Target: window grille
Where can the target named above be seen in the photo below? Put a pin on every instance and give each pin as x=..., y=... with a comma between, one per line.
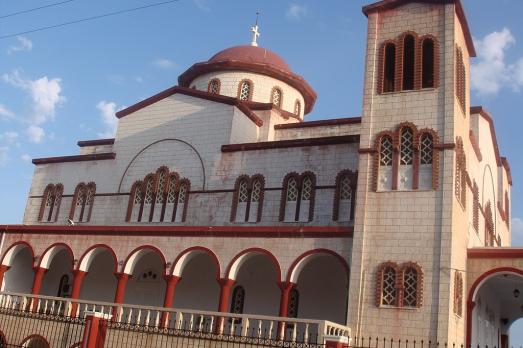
x=243, y=192
x=182, y=194
x=410, y=287
x=426, y=149
x=306, y=192
x=138, y=195
x=81, y=196
x=276, y=97
x=345, y=189
x=245, y=90
x=149, y=191
x=294, y=300
x=214, y=86
x=458, y=294
x=256, y=191
x=297, y=108
x=161, y=186
x=238, y=300
x=171, y=194
x=406, y=152
x=292, y=190
x=386, y=152
x=388, y=292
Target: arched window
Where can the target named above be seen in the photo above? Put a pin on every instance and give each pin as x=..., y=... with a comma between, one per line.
x=245, y=90
x=297, y=202
x=428, y=63
x=409, y=44
x=426, y=160
x=50, y=205
x=294, y=302
x=389, y=68
x=238, y=300
x=410, y=287
x=214, y=86
x=242, y=199
x=82, y=202
x=389, y=294
x=406, y=159
x=171, y=198
x=256, y=199
x=135, y=202
x=385, y=153
x=180, y=209
x=148, y=199
x=64, y=287
x=297, y=107
x=160, y=193
x=344, y=201
x=461, y=80
x=276, y=97
x=458, y=294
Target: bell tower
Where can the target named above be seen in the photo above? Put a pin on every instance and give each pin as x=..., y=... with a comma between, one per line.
x=415, y=107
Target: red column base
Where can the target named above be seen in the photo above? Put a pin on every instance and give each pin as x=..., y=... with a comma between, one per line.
x=95, y=330
x=336, y=342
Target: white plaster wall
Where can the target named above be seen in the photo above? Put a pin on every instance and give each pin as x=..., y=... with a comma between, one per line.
x=262, y=87
x=147, y=293
x=198, y=289
x=19, y=278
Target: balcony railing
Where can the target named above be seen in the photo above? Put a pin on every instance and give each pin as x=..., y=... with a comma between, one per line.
x=174, y=320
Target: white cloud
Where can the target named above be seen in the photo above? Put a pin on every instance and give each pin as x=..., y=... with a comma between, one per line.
x=163, y=63
x=5, y=112
x=24, y=44
x=9, y=137
x=492, y=72
x=4, y=155
x=25, y=157
x=107, y=112
x=297, y=12
x=36, y=134
x=44, y=92
x=517, y=231
x=203, y=4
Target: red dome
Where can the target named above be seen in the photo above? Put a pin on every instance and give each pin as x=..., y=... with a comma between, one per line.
x=251, y=54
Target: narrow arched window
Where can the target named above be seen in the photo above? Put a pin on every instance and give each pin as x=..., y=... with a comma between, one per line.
x=385, y=164
x=389, y=68
x=214, y=86
x=159, y=194
x=294, y=303
x=64, y=287
x=388, y=287
x=245, y=90
x=291, y=199
x=182, y=201
x=458, y=294
x=475, y=206
x=344, y=196
x=243, y=199
x=408, y=62
x=50, y=206
x=490, y=233
x=305, y=206
x=428, y=62
x=148, y=199
x=82, y=202
x=426, y=159
x=461, y=80
x=410, y=287
x=460, y=189
x=135, y=202
x=297, y=107
x=238, y=300
x=276, y=97
x=405, y=174
x=170, y=201
x=256, y=201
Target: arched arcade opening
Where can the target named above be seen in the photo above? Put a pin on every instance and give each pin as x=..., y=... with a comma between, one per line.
x=20, y=274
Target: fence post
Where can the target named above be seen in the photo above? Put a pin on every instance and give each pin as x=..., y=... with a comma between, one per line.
x=336, y=341
x=95, y=329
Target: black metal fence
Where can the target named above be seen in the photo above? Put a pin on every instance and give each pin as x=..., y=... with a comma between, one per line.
x=369, y=342
x=39, y=330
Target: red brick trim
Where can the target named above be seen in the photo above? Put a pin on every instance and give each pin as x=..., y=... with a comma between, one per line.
x=320, y=251
x=283, y=144
x=265, y=252
x=381, y=66
x=277, y=88
x=353, y=176
x=293, y=80
x=320, y=123
x=475, y=145
x=97, y=142
x=186, y=231
x=242, y=106
x=495, y=253
x=75, y=158
x=251, y=89
x=391, y=4
x=506, y=165
x=214, y=80
x=143, y=247
x=379, y=280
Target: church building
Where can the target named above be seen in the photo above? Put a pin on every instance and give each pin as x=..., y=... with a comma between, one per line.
x=219, y=206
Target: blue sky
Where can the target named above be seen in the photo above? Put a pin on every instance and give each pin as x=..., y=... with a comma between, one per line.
x=60, y=86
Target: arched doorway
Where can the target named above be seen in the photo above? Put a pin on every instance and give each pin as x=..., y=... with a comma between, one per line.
x=322, y=283
x=495, y=302
x=147, y=285
x=35, y=341
x=257, y=274
x=19, y=278
x=99, y=284
x=198, y=287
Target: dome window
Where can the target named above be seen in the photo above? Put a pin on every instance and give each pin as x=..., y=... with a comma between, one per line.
x=297, y=107
x=245, y=90
x=214, y=86
x=276, y=97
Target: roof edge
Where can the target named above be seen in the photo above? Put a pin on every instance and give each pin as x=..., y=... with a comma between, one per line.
x=95, y=142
